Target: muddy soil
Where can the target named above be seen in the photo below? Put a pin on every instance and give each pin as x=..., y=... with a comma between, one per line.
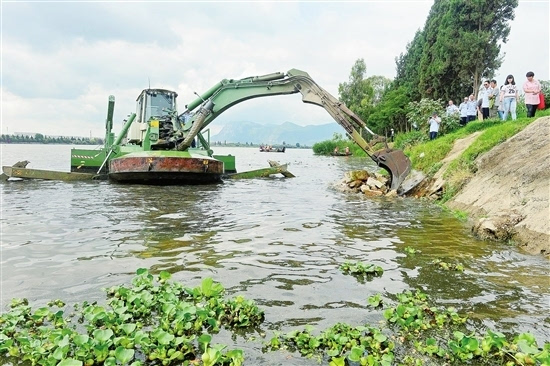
x=507, y=198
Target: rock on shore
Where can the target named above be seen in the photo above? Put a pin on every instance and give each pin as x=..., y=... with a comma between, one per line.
x=368, y=183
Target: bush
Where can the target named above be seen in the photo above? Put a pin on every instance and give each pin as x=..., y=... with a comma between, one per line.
x=418, y=113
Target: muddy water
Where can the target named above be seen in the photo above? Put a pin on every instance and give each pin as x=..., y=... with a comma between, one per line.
x=277, y=241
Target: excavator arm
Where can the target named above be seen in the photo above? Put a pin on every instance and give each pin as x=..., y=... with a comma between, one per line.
x=227, y=93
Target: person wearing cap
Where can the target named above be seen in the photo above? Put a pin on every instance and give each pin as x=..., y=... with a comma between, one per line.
x=463, y=108
x=434, y=122
x=472, y=108
x=532, y=88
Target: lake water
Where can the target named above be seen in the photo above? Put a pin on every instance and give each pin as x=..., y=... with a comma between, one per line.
x=277, y=241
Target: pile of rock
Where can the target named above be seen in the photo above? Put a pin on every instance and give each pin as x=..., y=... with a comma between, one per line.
x=370, y=184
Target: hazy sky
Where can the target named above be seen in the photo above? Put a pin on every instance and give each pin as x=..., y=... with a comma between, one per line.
x=61, y=60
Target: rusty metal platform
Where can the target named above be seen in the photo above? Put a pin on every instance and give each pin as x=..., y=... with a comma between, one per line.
x=165, y=167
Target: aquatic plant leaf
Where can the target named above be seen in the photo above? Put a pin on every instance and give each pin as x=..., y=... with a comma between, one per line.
x=356, y=353
x=103, y=335
x=211, y=356
x=124, y=355
x=379, y=337
x=70, y=362
x=471, y=344
x=209, y=288
x=42, y=312
x=164, y=337
x=110, y=361
x=164, y=275
x=128, y=328
x=80, y=339
x=338, y=361
x=528, y=338
x=525, y=347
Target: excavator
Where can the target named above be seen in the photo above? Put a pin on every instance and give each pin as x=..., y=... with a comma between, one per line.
x=158, y=145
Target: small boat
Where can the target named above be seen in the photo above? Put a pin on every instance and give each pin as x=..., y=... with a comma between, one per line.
x=272, y=149
x=340, y=153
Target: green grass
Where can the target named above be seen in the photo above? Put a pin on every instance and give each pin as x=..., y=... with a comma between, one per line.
x=427, y=157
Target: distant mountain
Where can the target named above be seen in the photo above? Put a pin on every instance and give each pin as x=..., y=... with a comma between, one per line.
x=288, y=132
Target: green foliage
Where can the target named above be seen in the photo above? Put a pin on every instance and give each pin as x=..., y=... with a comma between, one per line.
x=363, y=344
x=361, y=269
x=375, y=300
x=411, y=251
x=423, y=334
x=361, y=94
x=154, y=320
x=448, y=266
x=357, y=94
x=327, y=147
x=157, y=322
x=459, y=45
x=420, y=112
x=390, y=112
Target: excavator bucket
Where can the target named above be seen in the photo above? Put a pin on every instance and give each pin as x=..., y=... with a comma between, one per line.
x=394, y=162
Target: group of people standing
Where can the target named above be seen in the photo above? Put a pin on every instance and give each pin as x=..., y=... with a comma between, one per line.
x=493, y=101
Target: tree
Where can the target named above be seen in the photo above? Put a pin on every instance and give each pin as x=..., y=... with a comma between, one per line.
x=480, y=26
x=379, y=85
x=459, y=45
x=407, y=65
x=391, y=112
x=357, y=94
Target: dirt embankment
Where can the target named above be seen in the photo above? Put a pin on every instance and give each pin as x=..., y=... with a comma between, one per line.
x=508, y=197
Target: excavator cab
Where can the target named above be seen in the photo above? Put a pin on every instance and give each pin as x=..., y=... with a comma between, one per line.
x=153, y=103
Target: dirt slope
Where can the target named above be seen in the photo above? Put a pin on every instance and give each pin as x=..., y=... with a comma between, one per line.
x=508, y=197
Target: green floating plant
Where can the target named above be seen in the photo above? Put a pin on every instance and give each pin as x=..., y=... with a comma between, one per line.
x=375, y=300
x=153, y=321
x=361, y=269
x=361, y=344
x=411, y=251
x=448, y=266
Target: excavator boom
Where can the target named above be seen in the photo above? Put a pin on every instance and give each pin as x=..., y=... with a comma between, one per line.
x=227, y=93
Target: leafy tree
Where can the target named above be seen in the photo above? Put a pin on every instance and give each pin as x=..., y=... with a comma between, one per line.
x=391, y=112
x=380, y=85
x=459, y=45
x=407, y=65
x=357, y=94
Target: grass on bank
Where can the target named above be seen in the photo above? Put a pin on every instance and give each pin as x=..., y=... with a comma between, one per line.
x=427, y=157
